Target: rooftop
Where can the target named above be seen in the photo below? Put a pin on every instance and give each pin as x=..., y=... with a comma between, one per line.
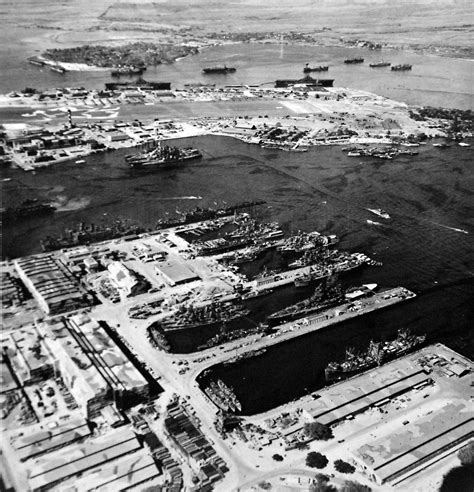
x=393, y=453
x=176, y=272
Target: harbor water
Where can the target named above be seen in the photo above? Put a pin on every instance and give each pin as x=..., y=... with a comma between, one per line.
x=427, y=245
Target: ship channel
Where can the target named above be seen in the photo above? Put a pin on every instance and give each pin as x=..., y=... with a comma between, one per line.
x=321, y=190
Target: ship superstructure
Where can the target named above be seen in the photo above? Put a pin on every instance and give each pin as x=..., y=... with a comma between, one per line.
x=376, y=354
x=162, y=155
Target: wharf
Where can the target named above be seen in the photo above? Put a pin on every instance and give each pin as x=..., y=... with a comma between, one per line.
x=309, y=324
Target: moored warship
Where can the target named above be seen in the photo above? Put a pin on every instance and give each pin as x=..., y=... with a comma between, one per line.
x=199, y=214
x=28, y=208
x=223, y=396
x=377, y=354
x=329, y=293
x=87, y=234
x=196, y=317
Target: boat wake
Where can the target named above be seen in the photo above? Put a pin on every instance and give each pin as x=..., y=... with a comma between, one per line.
x=64, y=205
x=455, y=229
x=373, y=222
x=180, y=198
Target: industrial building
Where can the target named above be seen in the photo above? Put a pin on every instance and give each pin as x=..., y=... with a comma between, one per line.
x=40, y=441
x=176, y=273
x=28, y=356
x=93, y=367
x=51, y=284
x=127, y=281
x=404, y=451
x=78, y=462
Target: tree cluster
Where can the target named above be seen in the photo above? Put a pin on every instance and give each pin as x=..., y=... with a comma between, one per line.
x=316, y=460
x=316, y=430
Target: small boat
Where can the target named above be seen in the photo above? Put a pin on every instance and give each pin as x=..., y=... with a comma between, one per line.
x=464, y=144
x=354, y=154
x=37, y=62
x=357, y=292
x=57, y=68
x=80, y=161
x=441, y=145
x=379, y=212
x=302, y=281
x=372, y=222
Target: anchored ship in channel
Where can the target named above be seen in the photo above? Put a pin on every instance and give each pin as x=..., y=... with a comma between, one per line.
x=352, y=61
x=401, y=68
x=379, y=64
x=161, y=156
x=127, y=70
x=320, y=68
x=218, y=70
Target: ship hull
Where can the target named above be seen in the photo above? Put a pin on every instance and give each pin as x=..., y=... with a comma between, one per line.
x=154, y=163
x=315, y=69
x=339, y=373
x=298, y=314
x=218, y=71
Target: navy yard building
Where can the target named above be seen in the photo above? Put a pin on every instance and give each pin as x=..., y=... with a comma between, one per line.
x=52, y=285
x=93, y=366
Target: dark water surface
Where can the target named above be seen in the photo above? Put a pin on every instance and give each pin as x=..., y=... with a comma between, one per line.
x=429, y=196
